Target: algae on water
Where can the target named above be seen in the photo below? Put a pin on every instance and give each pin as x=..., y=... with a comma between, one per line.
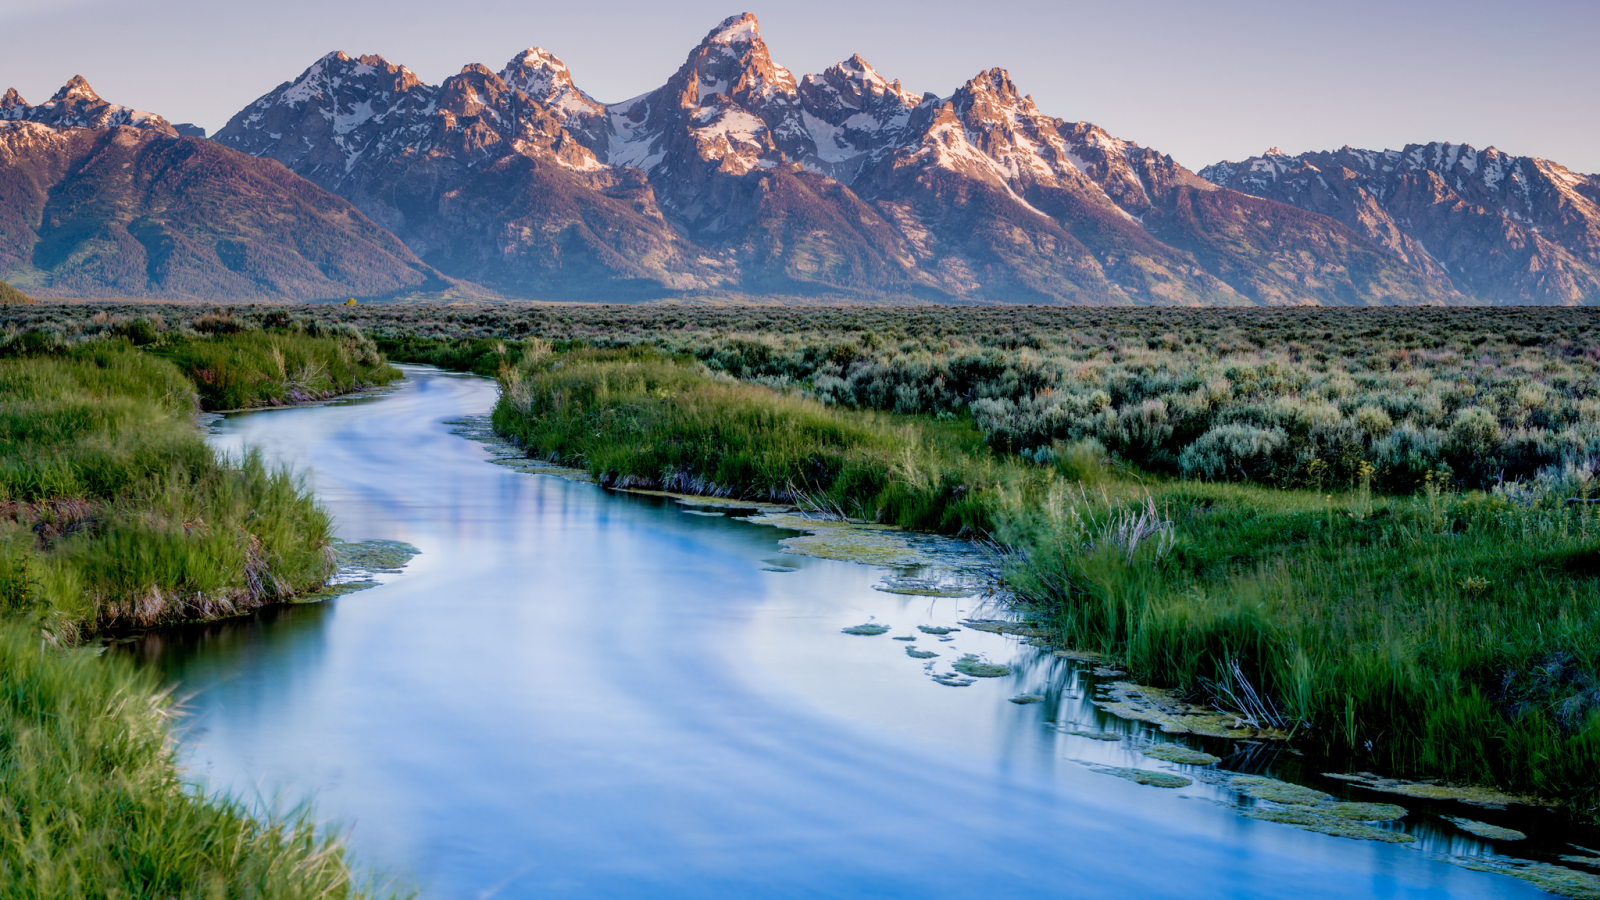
x=1312, y=820
x=1146, y=776
x=923, y=587
x=973, y=666
x=1177, y=753
x=1364, y=812
x=372, y=557
x=1555, y=879
x=1174, y=716
x=1025, y=699
x=1485, y=830
x=914, y=653
x=1426, y=790
x=1277, y=791
x=870, y=628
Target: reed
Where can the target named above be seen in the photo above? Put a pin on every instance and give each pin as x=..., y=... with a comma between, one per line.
x=1447, y=633
x=114, y=513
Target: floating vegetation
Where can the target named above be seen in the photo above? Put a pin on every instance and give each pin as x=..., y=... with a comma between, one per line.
x=1146, y=776
x=1000, y=626
x=870, y=628
x=333, y=590
x=951, y=679
x=505, y=453
x=923, y=587
x=1338, y=826
x=1177, y=753
x=1025, y=699
x=935, y=629
x=905, y=637
x=1485, y=830
x=1427, y=790
x=1083, y=656
x=1547, y=877
x=779, y=569
x=877, y=545
x=1105, y=672
x=914, y=653
x=702, y=512
x=1364, y=812
x=973, y=666
x=1097, y=735
x=1277, y=791
x=1593, y=861
x=1173, y=716
x=372, y=557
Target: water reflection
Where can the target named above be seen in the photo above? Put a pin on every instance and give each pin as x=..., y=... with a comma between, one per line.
x=570, y=693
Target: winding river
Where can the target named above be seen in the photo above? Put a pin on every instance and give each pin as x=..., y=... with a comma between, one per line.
x=571, y=692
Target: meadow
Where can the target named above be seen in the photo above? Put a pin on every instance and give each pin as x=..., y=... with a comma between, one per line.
x=1370, y=527
x=116, y=515
x=1296, y=397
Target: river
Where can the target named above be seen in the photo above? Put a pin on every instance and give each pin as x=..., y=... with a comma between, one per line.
x=572, y=692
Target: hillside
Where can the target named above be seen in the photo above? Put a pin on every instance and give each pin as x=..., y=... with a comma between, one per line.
x=100, y=201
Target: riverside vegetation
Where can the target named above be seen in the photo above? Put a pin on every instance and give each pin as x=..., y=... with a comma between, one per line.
x=114, y=513
x=1368, y=527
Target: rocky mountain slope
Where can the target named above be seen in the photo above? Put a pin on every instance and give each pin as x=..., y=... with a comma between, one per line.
x=100, y=200
x=1494, y=227
x=736, y=175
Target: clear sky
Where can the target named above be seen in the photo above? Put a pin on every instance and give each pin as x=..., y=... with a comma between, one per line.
x=1201, y=81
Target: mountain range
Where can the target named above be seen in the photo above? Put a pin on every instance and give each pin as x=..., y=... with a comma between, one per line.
x=100, y=200
x=737, y=177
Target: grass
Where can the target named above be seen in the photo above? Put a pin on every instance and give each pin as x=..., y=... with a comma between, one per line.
x=91, y=805
x=114, y=513
x=638, y=418
x=1449, y=633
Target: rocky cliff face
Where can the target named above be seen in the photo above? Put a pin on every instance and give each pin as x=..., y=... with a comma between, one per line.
x=1494, y=227
x=99, y=200
x=481, y=175
x=736, y=175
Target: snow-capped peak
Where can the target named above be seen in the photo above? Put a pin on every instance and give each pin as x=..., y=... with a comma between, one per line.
x=76, y=89
x=740, y=29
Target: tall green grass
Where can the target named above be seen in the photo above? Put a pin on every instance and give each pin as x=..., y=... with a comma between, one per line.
x=638, y=418
x=267, y=368
x=114, y=513
x=91, y=805
x=1445, y=634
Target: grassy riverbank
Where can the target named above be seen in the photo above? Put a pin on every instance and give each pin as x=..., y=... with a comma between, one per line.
x=114, y=513
x=1449, y=634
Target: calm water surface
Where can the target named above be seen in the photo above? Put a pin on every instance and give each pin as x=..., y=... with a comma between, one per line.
x=573, y=693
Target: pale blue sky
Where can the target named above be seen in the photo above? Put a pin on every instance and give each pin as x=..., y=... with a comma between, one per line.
x=1201, y=81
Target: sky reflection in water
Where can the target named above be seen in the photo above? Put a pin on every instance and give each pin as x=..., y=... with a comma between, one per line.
x=575, y=694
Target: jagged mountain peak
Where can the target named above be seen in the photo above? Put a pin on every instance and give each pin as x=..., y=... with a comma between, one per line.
x=860, y=83
x=996, y=81
x=1492, y=225
x=546, y=80
x=76, y=88
x=733, y=61
x=740, y=29
x=76, y=105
